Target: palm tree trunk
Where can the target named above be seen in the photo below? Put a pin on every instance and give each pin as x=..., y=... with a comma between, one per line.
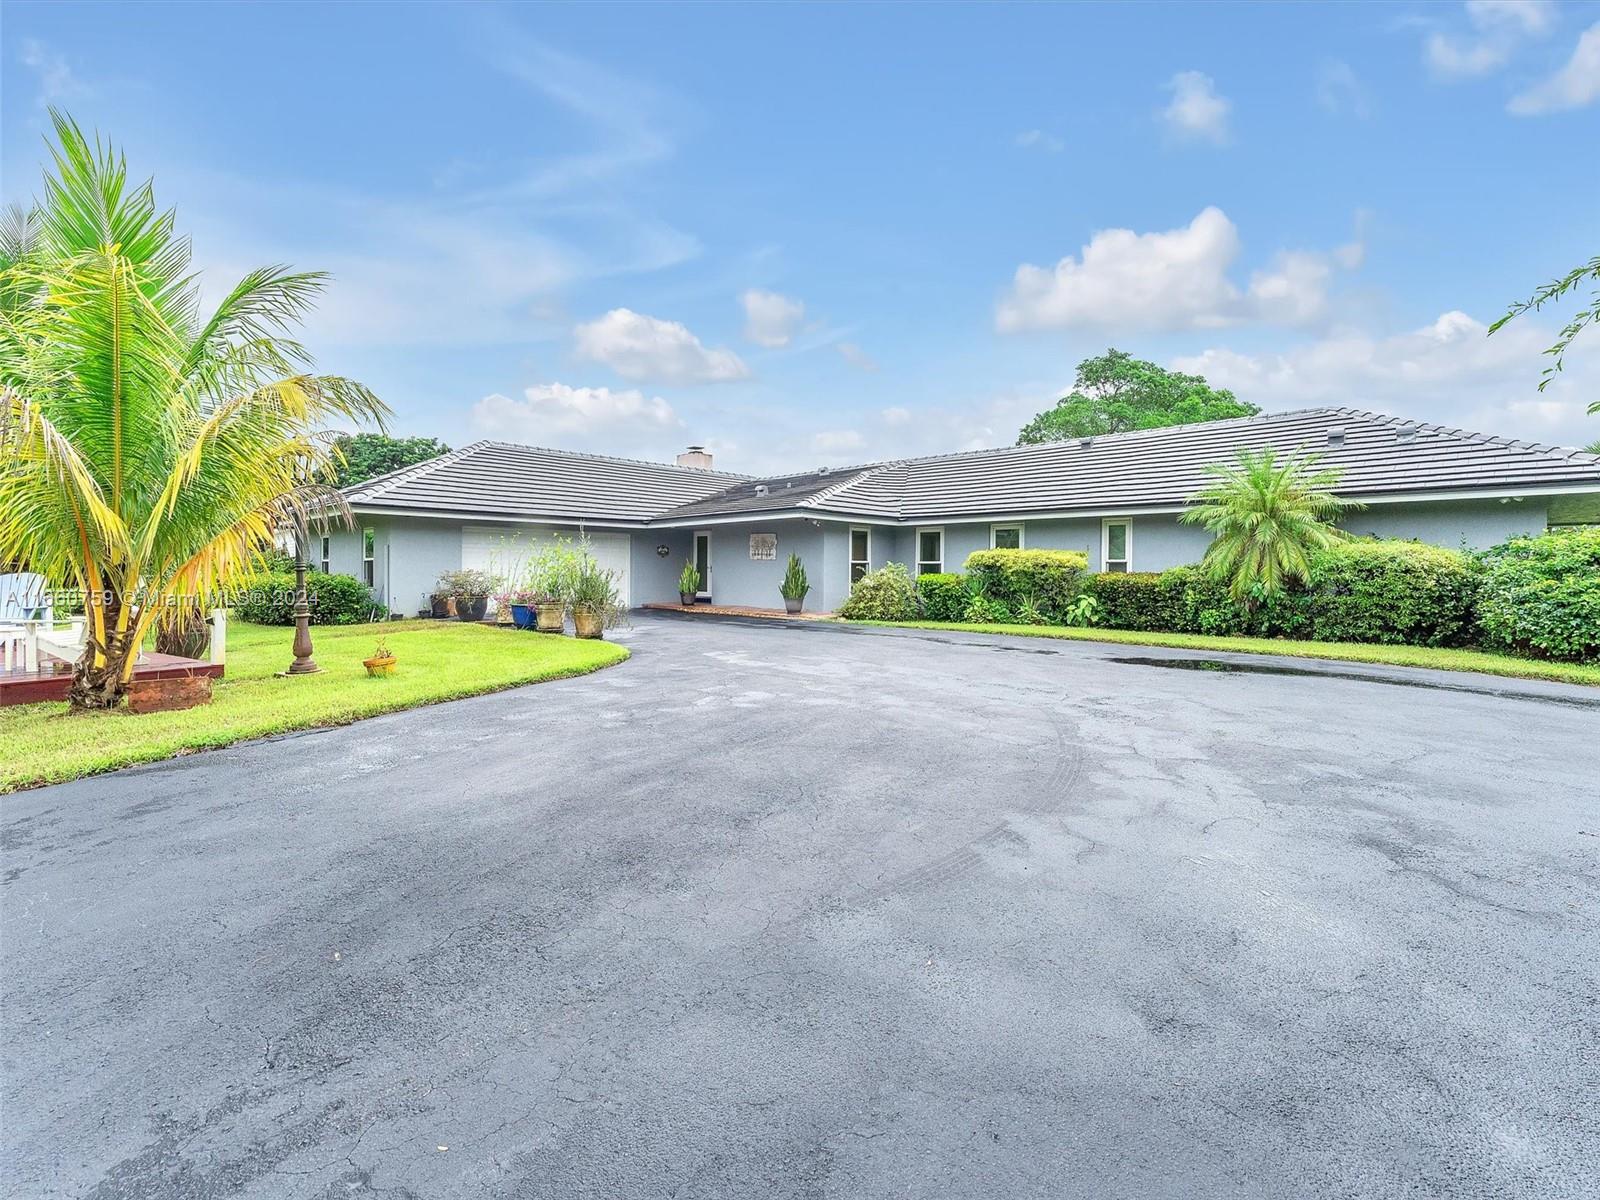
x=100, y=677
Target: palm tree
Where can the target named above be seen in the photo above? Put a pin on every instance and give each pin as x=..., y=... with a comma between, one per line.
x=147, y=453
x=1267, y=518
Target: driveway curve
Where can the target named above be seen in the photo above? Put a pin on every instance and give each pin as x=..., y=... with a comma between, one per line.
x=804, y=911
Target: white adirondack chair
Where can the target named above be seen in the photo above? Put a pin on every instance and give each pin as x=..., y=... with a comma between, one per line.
x=49, y=639
x=24, y=597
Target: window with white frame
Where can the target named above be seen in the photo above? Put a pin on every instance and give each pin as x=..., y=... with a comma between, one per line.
x=1005, y=537
x=327, y=558
x=1116, y=545
x=930, y=551
x=369, y=542
x=860, y=553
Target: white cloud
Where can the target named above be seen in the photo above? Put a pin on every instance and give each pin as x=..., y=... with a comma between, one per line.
x=1196, y=112
x=855, y=356
x=1449, y=371
x=1498, y=28
x=1340, y=90
x=581, y=418
x=56, y=79
x=896, y=415
x=1038, y=139
x=770, y=318
x=1176, y=279
x=1575, y=85
x=837, y=441
x=647, y=348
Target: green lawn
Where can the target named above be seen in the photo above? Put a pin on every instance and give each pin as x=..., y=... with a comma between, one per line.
x=1400, y=656
x=437, y=661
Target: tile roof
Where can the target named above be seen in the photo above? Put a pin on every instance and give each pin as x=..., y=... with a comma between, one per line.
x=1162, y=468
x=1143, y=469
x=499, y=479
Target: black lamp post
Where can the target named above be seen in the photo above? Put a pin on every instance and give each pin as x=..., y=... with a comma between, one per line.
x=303, y=663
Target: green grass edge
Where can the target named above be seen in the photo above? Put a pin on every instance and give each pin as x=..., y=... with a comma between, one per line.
x=142, y=756
x=1482, y=662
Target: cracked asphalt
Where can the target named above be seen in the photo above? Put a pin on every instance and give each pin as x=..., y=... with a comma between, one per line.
x=799, y=911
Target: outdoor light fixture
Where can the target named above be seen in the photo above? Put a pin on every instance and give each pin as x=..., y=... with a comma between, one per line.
x=663, y=550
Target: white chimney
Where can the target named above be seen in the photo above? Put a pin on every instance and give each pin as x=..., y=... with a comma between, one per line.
x=697, y=457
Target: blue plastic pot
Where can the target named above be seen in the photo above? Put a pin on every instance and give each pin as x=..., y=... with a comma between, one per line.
x=522, y=616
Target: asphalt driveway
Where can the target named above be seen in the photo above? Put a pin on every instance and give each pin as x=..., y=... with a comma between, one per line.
x=807, y=912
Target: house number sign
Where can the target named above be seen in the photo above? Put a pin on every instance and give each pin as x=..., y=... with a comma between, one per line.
x=763, y=546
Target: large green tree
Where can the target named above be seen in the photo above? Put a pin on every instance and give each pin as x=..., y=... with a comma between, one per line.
x=1267, y=515
x=1115, y=392
x=148, y=451
x=365, y=456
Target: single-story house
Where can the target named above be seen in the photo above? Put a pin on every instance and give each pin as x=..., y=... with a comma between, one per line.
x=1115, y=497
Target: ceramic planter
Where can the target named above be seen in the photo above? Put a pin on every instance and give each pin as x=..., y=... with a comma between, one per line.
x=472, y=608
x=792, y=606
x=686, y=599
x=551, y=617
x=522, y=616
x=442, y=606
x=588, y=623
x=380, y=666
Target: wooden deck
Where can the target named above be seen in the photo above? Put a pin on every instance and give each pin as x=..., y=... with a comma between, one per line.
x=53, y=681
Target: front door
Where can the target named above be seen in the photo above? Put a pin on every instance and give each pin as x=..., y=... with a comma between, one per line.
x=702, y=563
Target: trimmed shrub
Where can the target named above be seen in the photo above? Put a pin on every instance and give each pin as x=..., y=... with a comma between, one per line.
x=1541, y=595
x=886, y=594
x=1142, y=600
x=333, y=599
x=1206, y=605
x=1390, y=591
x=1048, y=579
x=944, y=597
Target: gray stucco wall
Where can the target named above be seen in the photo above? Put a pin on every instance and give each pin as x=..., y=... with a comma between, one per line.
x=736, y=578
x=1161, y=541
x=412, y=552
x=1474, y=524
x=409, y=555
x=654, y=579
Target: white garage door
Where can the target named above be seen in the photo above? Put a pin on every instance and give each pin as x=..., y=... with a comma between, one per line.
x=504, y=551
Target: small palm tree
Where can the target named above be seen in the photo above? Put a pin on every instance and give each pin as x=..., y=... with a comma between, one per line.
x=148, y=453
x=1267, y=518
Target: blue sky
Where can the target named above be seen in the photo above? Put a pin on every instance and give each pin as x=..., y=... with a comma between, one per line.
x=809, y=234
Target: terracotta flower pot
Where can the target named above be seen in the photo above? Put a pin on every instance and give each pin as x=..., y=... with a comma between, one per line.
x=551, y=617
x=588, y=623
x=380, y=666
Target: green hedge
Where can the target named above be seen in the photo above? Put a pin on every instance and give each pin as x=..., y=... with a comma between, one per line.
x=1046, y=581
x=1390, y=591
x=944, y=597
x=1143, y=600
x=887, y=594
x=333, y=599
x=1541, y=595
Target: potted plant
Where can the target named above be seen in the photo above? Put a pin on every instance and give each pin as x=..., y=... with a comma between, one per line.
x=521, y=606
x=382, y=661
x=550, y=575
x=502, y=608
x=470, y=589
x=688, y=584
x=442, y=604
x=593, y=598
x=795, y=585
